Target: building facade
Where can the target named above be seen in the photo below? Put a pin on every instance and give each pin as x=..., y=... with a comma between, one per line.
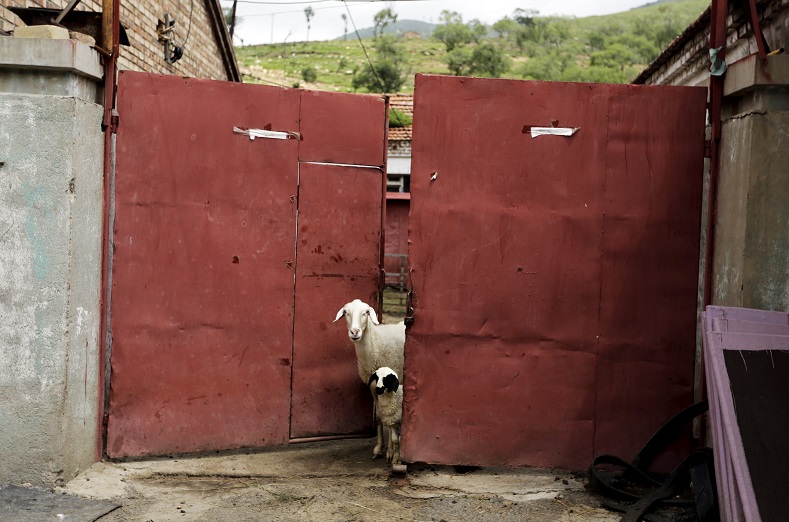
x=199, y=29
x=398, y=196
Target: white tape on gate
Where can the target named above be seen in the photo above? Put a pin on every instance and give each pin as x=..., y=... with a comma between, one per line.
x=553, y=131
x=263, y=133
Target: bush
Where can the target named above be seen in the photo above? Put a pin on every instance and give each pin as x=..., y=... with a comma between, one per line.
x=387, y=76
x=309, y=74
x=489, y=60
x=398, y=118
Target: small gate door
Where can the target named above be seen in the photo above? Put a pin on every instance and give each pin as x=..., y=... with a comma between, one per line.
x=203, y=274
x=338, y=254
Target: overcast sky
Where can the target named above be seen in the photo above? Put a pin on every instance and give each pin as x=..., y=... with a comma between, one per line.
x=267, y=21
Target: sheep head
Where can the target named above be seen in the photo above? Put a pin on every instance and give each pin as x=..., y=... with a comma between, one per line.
x=384, y=379
x=357, y=313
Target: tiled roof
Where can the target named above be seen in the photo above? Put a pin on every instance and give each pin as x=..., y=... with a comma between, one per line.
x=405, y=104
x=400, y=133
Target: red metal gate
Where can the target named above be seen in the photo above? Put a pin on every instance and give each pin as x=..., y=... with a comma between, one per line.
x=205, y=246
x=555, y=276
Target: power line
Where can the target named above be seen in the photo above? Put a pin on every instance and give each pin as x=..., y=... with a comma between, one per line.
x=189, y=29
x=285, y=12
x=264, y=2
x=296, y=2
x=372, y=68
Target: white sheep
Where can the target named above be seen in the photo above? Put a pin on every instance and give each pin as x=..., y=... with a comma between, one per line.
x=389, y=408
x=377, y=345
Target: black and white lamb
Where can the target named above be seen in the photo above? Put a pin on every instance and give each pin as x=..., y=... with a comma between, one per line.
x=389, y=408
x=377, y=345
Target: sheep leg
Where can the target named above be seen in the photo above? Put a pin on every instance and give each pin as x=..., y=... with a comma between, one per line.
x=389, y=445
x=394, y=443
x=379, y=442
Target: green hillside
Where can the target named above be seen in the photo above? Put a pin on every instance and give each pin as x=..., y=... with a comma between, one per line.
x=611, y=49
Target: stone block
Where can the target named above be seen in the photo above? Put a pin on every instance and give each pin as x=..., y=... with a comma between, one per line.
x=41, y=31
x=81, y=37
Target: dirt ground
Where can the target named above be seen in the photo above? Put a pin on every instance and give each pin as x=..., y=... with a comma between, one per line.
x=330, y=481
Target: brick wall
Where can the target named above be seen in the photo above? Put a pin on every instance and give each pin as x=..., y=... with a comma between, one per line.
x=202, y=57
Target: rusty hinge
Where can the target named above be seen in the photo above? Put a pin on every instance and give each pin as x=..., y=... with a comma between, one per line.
x=114, y=120
x=707, y=148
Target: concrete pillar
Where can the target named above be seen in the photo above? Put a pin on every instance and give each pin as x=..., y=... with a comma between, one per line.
x=751, y=265
x=51, y=149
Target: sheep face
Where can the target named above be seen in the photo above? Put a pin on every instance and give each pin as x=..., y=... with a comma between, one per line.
x=357, y=313
x=384, y=379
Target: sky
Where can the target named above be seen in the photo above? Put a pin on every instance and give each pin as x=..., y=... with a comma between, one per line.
x=275, y=21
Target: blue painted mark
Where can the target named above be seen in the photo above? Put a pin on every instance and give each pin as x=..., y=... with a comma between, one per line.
x=33, y=201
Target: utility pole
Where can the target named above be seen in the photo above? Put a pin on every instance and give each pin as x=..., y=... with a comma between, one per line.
x=233, y=19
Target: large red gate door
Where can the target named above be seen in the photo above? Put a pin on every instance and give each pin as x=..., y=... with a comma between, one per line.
x=554, y=276
x=209, y=270
x=202, y=276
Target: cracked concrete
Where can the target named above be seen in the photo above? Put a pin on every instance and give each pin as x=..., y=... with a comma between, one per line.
x=330, y=481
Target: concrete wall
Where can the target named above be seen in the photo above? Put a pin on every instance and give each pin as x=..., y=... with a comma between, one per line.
x=50, y=257
x=751, y=265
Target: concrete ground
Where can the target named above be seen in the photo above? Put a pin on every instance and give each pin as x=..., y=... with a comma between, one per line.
x=330, y=481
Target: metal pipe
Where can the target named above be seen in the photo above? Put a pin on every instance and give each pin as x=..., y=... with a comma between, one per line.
x=757, y=30
x=718, y=14
x=107, y=25
x=718, y=29
x=111, y=39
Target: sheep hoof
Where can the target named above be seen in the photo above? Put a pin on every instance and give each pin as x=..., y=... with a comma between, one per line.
x=377, y=453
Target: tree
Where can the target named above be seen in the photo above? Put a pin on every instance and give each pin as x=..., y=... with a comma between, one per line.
x=453, y=32
x=667, y=27
x=525, y=17
x=381, y=20
x=552, y=64
x=459, y=60
x=387, y=73
x=386, y=46
x=615, y=56
x=309, y=12
x=643, y=49
x=344, y=21
x=557, y=31
x=386, y=77
x=533, y=33
x=505, y=27
x=448, y=17
x=229, y=19
x=488, y=60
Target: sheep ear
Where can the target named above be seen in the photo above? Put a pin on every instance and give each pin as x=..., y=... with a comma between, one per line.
x=391, y=383
x=372, y=315
x=373, y=378
x=340, y=314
